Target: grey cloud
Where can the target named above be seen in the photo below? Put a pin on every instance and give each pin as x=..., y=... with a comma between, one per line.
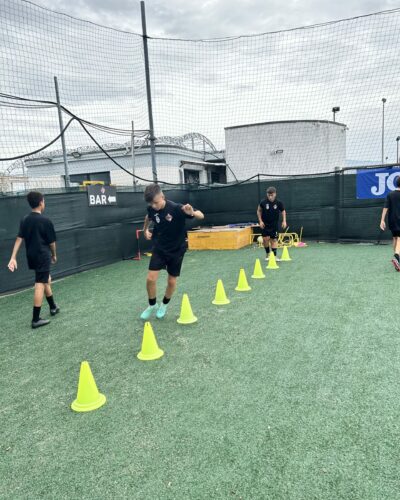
x=206, y=86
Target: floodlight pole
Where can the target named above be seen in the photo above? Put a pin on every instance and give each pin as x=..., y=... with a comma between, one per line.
x=60, y=120
x=148, y=90
x=383, y=130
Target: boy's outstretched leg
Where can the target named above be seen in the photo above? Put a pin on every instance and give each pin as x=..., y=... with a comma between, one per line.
x=274, y=248
x=171, y=287
x=37, y=321
x=151, y=285
x=54, y=309
x=266, y=246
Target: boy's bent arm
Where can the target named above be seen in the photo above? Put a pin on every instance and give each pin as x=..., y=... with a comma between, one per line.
x=146, y=223
x=12, y=265
x=197, y=214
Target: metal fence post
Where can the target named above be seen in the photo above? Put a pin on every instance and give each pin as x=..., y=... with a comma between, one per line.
x=60, y=120
x=148, y=89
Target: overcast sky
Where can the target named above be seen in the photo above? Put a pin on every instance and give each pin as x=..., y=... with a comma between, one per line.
x=204, y=86
x=215, y=18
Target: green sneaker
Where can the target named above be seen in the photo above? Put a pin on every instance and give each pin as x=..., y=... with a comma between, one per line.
x=148, y=312
x=162, y=311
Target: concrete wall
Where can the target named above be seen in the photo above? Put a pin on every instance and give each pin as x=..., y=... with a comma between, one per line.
x=285, y=148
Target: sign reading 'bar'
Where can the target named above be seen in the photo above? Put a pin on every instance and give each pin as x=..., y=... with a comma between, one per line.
x=101, y=195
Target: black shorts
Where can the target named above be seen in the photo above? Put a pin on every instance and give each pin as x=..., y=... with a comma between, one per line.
x=172, y=263
x=42, y=276
x=270, y=232
x=395, y=233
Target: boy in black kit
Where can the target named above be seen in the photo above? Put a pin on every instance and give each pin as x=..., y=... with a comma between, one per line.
x=169, y=238
x=268, y=218
x=40, y=243
x=392, y=209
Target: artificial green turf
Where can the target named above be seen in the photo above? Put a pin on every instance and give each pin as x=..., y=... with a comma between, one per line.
x=289, y=392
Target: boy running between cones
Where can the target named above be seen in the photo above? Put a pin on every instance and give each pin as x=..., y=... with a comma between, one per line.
x=268, y=218
x=169, y=244
x=392, y=209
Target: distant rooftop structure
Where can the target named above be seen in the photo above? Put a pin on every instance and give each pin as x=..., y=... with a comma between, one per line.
x=192, y=142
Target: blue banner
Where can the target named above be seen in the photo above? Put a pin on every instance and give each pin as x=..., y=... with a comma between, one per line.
x=376, y=183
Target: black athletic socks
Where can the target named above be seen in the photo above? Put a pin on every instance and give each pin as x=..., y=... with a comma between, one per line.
x=36, y=314
x=50, y=301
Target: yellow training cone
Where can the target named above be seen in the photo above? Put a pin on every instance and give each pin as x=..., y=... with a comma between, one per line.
x=258, y=273
x=285, y=254
x=220, y=295
x=88, y=397
x=187, y=317
x=272, y=261
x=150, y=349
x=242, y=285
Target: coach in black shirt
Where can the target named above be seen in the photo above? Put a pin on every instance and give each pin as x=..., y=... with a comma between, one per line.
x=40, y=243
x=268, y=212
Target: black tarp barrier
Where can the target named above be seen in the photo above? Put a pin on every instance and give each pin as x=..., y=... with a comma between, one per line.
x=325, y=206
x=87, y=237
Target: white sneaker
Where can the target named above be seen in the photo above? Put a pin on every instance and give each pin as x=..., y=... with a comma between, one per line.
x=267, y=259
x=277, y=259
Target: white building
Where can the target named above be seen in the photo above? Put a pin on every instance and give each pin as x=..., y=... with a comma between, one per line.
x=176, y=163
x=285, y=147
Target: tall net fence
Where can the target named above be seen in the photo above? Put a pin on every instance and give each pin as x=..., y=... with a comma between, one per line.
x=300, y=101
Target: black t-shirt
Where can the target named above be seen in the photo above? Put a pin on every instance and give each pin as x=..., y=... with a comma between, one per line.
x=392, y=202
x=38, y=232
x=270, y=212
x=169, y=233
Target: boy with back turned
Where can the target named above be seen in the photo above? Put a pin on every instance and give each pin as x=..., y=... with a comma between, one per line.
x=39, y=236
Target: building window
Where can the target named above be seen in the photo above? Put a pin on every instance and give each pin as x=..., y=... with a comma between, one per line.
x=96, y=176
x=192, y=176
x=215, y=177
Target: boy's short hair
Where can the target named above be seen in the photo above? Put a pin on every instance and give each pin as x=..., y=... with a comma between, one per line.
x=271, y=190
x=397, y=181
x=34, y=198
x=151, y=191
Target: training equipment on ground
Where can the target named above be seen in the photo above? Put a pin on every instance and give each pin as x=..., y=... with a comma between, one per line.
x=187, y=317
x=258, y=272
x=272, y=261
x=285, y=255
x=88, y=397
x=220, y=296
x=297, y=242
x=242, y=285
x=150, y=349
